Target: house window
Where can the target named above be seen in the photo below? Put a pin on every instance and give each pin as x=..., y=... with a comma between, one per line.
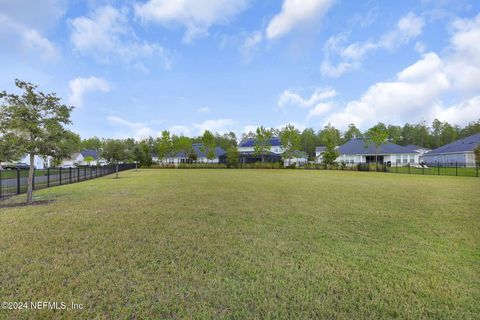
x=398, y=159
x=412, y=159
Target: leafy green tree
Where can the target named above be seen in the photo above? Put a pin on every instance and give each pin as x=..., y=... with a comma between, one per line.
x=308, y=140
x=394, y=133
x=115, y=151
x=378, y=136
x=139, y=155
x=33, y=123
x=89, y=159
x=437, y=128
x=226, y=140
x=471, y=128
x=208, y=147
x=8, y=151
x=91, y=144
x=233, y=156
x=291, y=142
x=262, y=142
x=184, y=144
x=476, y=152
x=164, y=145
x=351, y=133
x=330, y=138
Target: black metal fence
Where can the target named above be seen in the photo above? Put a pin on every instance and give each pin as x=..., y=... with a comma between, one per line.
x=438, y=169
x=15, y=181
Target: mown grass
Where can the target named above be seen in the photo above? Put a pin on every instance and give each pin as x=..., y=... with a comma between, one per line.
x=247, y=244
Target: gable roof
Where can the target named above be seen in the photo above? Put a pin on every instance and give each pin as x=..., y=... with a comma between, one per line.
x=362, y=146
x=462, y=145
x=197, y=148
x=320, y=149
x=89, y=153
x=249, y=142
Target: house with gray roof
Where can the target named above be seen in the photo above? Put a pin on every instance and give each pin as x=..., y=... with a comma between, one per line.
x=246, y=149
x=360, y=150
x=198, y=154
x=459, y=152
x=84, y=158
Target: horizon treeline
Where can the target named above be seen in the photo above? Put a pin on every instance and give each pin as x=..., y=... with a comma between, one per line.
x=421, y=134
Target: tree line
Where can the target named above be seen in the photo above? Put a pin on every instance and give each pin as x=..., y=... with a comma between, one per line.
x=35, y=123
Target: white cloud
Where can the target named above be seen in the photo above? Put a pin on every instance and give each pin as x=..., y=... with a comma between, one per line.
x=106, y=35
x=38, y=14
x=416, y=90
x=80, y=86
x=180, y=130
x=296, y=13
x=320, y=109
x=350, y=56
x=137, y=130
x=218, y=125
x=464, y=64
x=291, y=98
x=204, y=110
x=27, y=38
x=250, y=43
x=196, y=16
x=461, y=113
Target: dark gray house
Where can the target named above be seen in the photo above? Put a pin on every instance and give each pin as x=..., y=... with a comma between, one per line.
x=459, y=152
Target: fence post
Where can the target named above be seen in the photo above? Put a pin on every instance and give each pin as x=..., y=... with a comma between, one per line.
x=69, y=175
x=456, y=168
x=409, y=168
x=78, y=174
x=423, y=169
x=18, y=181
x=60, y=175
x=48, y=177
x=33, y=179
x=438, y=168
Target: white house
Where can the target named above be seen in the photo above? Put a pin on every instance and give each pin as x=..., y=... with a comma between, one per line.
x=246, y=149
x=360, y=150
x=39, y=161
x=79, y=159
x=199, y=156
x=459, y=152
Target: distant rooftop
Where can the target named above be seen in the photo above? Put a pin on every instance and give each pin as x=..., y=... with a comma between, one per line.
x=363, y=146
x=466, y=144
x=246, y=143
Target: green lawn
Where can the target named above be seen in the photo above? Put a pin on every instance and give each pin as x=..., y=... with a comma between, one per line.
x=247, y=244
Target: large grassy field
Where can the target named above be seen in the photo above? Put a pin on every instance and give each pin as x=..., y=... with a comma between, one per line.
x=247, y=244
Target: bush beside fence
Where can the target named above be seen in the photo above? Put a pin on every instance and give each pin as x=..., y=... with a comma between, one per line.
x=14, y=182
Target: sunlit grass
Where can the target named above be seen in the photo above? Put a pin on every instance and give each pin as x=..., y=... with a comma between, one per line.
x=247, y=243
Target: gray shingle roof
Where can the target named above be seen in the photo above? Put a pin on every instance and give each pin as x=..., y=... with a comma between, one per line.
x=466, y=144
x=320, y=149
x=89, y=153
x=274, y=142
x=362, y=146
x=197, y=148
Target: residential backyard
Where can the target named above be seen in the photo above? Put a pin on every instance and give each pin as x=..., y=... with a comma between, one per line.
x=247, y=244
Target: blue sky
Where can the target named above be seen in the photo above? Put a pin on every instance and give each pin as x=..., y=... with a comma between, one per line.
x=135, y=68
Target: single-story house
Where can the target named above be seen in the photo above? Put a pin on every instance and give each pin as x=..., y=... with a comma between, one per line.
x=299, y=159
x=459, y=152
x=39, y=161
x=360, y=150
x=199, y=156
x=80, y=159
x=246, y=150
